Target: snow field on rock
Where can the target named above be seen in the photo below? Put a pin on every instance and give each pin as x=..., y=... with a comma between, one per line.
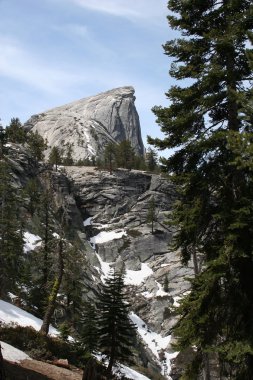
x=12, y=354
x=155, y=342
x=31, y=241
x=12, y=314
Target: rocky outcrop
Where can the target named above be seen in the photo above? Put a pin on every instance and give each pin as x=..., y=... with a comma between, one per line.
x=115, y=207
x=88, y=124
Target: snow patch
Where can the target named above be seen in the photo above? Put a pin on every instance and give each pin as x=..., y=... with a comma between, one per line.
x=31, y=241
x=131, y=373
x=106, y=236
x=147, y=294
x=87, y=222
x=160, y=292
x=12, y=354
x=12, y=314
x=156, y=343
x=136, y=277
x=105, y=268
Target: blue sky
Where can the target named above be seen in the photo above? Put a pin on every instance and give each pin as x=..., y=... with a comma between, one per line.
x=57, y=51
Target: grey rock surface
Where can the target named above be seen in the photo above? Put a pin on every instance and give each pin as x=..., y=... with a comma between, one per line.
x=119, y=202
x=88, y=124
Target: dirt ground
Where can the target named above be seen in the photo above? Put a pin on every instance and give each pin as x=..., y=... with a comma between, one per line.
x=36, y=370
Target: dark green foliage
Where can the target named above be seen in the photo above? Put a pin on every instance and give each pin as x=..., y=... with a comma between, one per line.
x=116, y=330
x=32, y=192
x=125, y=155
x=89, y=328
x=15, y=132
x=210, y=124
x=37, y=145
x=68, y=159
x=73, y=284
x=110, y=154
x=41, y=347
x=11, y=235
x=152, y=213
x=151, y=159
x=55, y=157
x=2, y=141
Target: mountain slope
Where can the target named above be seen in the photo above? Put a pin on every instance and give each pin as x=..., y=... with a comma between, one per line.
x=88, y=124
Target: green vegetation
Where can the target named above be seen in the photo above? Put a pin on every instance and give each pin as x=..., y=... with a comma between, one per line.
x=11, y=232
x=42, y=347
x=15, y=132
x=209, y=126
x=116, y=330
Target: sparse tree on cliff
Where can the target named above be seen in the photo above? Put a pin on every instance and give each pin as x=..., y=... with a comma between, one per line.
x=55, y=157
x=37, y=145
x=15, y=132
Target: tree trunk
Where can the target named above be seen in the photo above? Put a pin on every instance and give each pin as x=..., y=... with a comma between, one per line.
x=112, y=355
x=206, y=367
x=53, y=294
x=195, y=261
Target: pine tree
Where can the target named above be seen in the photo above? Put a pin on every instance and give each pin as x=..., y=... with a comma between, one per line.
x=68, y=159
x=55, y=157
x=37, y=145
x=2, y=141
x=11, y=232
x=56, y=284
x=89, y=328
x=117, y=332
x=33, y=193
x=110, y=155
x=212, y=168
x=152, y=214
x=125, y=155
x=152, y=159
x=15, y=132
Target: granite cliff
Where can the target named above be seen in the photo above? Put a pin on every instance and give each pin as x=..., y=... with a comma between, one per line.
x=88, y=124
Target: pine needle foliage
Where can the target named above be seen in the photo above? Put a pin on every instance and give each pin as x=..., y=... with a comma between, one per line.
x=116, y=330
x=209, y=122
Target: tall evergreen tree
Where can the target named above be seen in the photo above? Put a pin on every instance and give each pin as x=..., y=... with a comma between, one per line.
x=152, y=213
x=55, y=157
x=89, y=329
x=110, y=155
x=11, y=235
x=125, y=154
x=68, y=159
x=151, y=159
x=214, y=213
x=15, y=132
x=2, y=141
x=37, y=145
x=116, y=330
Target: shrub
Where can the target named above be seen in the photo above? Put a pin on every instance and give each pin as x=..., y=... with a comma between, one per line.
x=134, y=233
x=41, y=347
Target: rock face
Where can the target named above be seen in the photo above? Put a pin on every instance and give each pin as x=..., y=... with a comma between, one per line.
x=114, y=208
x=109, y=212
x=88, y=124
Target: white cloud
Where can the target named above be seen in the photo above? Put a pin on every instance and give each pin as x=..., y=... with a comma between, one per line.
x=74, y=29
x=18, y=64
x=130, y=9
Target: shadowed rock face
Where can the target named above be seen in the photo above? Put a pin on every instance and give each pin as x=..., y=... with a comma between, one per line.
x=91, y=122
